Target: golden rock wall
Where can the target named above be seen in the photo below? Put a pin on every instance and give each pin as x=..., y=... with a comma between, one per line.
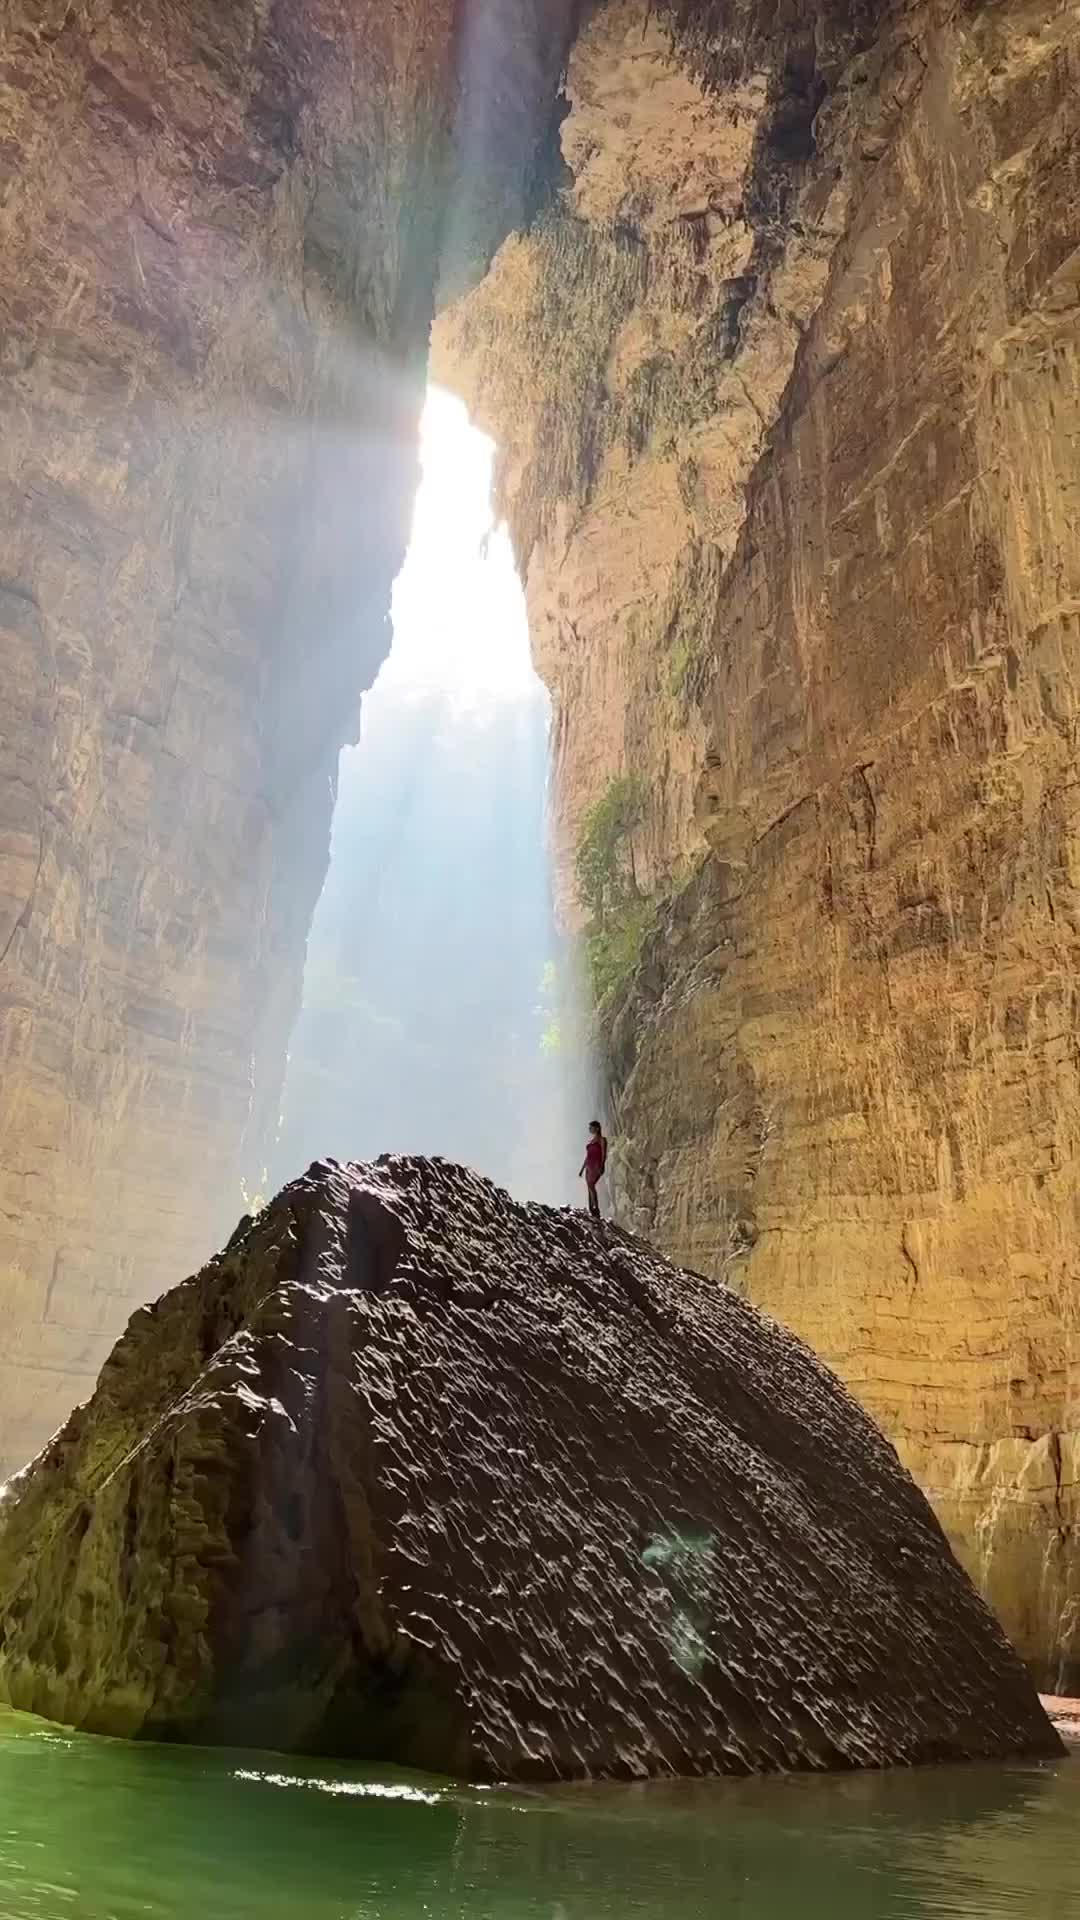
x=822, y=592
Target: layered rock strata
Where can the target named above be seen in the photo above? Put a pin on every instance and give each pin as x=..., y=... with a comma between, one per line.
x=417, y=1473
x=803, y=557
x=222, y=230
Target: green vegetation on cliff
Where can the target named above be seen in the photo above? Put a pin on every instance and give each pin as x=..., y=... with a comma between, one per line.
x=545, y=352
x=688, y=616
x=619, y=914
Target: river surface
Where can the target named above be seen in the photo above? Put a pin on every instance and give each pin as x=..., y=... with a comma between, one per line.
x=99, y=1830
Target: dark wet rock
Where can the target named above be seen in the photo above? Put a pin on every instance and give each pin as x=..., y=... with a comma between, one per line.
x=415, y=1473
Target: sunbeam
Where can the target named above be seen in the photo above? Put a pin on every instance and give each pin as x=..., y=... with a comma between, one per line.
x=438, y=1010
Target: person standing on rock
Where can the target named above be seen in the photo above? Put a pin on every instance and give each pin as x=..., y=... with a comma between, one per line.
x=592, y=1167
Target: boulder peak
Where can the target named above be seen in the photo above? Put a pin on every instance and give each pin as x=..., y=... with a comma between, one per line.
x=417, y=1473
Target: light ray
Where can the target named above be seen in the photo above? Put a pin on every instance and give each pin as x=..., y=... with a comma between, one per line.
x=434, y=1015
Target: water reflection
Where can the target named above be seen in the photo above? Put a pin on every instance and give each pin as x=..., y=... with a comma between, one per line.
x=96, y=1828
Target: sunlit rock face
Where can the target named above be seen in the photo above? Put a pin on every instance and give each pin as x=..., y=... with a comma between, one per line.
x=800, y=511
x=222, y=228
x=417, y=1473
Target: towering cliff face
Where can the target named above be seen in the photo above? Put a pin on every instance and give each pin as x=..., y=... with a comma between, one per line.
x=788, y=388
x=222, y=228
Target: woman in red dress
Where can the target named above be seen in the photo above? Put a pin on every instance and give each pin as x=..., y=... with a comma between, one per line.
x=593, y=1165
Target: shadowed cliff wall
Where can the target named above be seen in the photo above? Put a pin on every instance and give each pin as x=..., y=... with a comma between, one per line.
x=222, y=228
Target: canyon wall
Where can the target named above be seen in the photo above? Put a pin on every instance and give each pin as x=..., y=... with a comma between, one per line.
x=785, y=381
x=222, y=231
x=787, y=387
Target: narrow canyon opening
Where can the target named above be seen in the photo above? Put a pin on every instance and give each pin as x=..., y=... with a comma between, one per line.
x=721, y=781
x=442, y=1009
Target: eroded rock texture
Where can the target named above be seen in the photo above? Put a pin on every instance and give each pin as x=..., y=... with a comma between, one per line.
x=222, y=227
x=800, y=507
x=415, y=1472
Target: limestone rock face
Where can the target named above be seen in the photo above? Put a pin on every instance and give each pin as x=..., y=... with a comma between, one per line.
x=803, y=555
x=222, y=227
x=414, y=1472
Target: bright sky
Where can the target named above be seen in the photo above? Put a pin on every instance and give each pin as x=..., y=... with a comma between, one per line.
x=458, y=607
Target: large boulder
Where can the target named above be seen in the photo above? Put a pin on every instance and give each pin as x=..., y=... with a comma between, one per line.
x=415, y=1473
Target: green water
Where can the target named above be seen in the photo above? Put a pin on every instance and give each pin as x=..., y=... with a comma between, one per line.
x=96, y=1830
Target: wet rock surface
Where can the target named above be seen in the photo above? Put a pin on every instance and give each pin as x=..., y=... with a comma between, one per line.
x=416, y=1473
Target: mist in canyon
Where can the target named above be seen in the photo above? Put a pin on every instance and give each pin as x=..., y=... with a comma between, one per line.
x=441, y=1011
